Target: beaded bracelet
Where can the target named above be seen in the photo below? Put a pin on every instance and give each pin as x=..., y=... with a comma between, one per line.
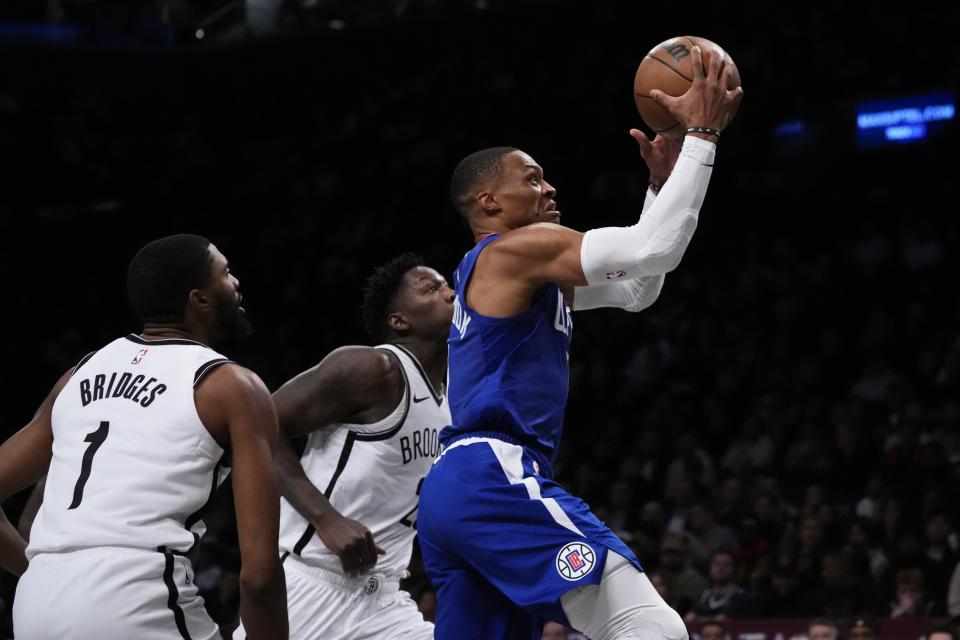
x=706, y=130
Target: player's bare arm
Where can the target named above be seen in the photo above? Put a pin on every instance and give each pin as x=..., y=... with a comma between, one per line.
x=235, y=406
x=12, y=548
x=358, y=385
x=24, y=459
x=30, y=509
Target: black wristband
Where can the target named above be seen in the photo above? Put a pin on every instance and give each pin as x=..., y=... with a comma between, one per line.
x=706, y=130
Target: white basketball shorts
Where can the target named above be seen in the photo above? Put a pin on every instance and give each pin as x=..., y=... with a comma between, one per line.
x=324, y=605
x=110, y=593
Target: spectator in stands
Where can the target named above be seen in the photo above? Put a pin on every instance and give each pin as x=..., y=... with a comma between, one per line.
x=723, y=598
x=712, y=630
x=941, y=632
x=823, y=629
x=844, y=594
x=911, y=596
x=863, y=628
x=683, y=582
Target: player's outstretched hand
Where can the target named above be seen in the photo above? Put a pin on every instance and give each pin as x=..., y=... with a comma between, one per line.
x=660, y=154
x=351, y=541
x=707, y=103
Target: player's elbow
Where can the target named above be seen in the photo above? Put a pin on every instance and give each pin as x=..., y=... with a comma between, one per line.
x=644, y=301
x=262, y=583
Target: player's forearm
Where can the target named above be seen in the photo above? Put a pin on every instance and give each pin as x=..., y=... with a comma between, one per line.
x=30, y=509
x=655, y=245
x=12, y=548
x=632, y=295
x=296, y=487
x=263, y=603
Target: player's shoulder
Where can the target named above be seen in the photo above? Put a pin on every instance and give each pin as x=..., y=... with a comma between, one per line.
x=230, y=379
x=372, y=360
x=535, y=240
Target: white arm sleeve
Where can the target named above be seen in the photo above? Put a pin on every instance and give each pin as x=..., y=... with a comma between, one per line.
x=654, y=245
x=648, y=200
x=633, y=295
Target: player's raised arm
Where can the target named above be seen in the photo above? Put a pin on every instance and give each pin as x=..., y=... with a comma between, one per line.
x=234, y=400
x=24, y=459
x=346, y=386
x=533, y=254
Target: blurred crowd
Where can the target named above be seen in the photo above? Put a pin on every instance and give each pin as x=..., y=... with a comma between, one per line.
x=779, y=436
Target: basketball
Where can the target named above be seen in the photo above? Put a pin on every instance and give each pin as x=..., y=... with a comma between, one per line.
x=668, y=68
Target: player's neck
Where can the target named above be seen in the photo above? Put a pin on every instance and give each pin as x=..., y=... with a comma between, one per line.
x=157, y=331
x=432, y=356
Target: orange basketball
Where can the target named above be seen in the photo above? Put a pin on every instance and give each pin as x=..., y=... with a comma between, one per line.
x=668, y=68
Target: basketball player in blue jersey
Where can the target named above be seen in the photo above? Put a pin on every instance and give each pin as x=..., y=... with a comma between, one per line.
x=134, y=440
x=372, y=416
x=506, y=546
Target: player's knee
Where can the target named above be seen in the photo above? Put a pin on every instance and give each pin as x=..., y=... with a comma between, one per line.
x=671, y=624
x=659, y=622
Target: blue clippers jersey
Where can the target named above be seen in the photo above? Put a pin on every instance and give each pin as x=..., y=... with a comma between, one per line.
x=509, y=375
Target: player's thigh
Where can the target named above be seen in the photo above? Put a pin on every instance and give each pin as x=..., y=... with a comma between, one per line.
x=525, y=535
x=110, y=594
x=623, y=606
x=470, y=608
x=395, y=617
x=315, y=610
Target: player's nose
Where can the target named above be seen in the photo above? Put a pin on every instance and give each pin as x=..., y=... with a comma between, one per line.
x=548, y=189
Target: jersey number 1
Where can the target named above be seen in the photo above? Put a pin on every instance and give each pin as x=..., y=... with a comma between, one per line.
x=95, y=438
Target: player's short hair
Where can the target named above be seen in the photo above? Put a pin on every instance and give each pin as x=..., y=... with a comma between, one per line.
x=477, y=166
x=162, y=274
x=381, y=293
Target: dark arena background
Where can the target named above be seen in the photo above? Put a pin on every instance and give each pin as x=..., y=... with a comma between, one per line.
x=794, y=395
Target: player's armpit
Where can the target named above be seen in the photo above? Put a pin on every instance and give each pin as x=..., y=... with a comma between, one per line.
x=352, y=384
x=235, y=400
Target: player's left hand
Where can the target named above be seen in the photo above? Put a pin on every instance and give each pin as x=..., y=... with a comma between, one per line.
x=660, y=154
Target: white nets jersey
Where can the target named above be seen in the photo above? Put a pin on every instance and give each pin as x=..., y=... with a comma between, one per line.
x=371, y=473
x=132, y=464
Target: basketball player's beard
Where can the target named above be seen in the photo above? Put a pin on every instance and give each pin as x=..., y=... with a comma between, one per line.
x=232, y=318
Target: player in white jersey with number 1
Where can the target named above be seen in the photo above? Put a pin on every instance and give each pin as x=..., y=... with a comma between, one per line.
x=137, y=437
x=373, y=415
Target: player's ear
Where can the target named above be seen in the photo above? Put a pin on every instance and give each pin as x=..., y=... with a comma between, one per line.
x=398, y=322
x=198, y=300
x=488, y=202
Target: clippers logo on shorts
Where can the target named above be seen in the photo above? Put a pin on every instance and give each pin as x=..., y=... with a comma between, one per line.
x=140, y=356
x=575, y=560
x=613, y=275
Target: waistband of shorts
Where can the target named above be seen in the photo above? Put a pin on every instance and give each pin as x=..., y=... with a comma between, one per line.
x=470, y=437
x=371, y=583
x=69, y=555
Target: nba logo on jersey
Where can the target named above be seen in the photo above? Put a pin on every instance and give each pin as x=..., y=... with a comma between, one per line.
x=140, y=356
x=575, y=560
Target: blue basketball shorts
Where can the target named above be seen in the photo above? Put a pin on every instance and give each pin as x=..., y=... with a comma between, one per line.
x=502, y=544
